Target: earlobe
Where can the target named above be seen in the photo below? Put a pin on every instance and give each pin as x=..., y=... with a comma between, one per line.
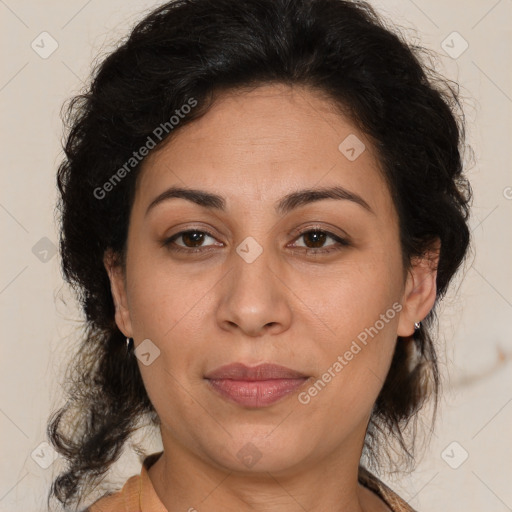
x=118, y=290
x=420, y=291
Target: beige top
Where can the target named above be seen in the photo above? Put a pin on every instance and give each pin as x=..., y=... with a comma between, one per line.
x=139, y=495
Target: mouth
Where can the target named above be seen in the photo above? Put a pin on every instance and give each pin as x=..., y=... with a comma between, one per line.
x=257, y=386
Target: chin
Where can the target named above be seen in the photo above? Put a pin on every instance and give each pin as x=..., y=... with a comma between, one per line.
x=267, y=451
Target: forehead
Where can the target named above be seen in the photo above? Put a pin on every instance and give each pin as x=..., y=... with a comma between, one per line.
x=259, y=144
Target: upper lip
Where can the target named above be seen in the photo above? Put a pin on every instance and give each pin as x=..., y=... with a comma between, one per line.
x=265, y=371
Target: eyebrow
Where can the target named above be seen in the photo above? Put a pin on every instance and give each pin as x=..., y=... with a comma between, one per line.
x=282, y=207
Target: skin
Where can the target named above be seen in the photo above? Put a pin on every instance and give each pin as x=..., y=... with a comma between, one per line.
x=204, y=310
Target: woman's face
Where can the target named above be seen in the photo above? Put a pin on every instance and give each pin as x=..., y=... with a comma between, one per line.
x=246, y=285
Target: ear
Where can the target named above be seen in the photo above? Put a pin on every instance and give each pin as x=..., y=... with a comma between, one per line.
x=420, y=290
x=118, y=289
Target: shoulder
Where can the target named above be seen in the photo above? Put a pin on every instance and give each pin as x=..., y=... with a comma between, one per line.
x=387, y=495
x=137, y=493
x=128, y=498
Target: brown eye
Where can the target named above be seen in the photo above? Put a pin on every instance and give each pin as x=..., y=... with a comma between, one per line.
x=192, y=239
x=316, y=238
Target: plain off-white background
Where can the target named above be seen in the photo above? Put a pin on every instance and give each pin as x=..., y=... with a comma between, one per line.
x=40, y=322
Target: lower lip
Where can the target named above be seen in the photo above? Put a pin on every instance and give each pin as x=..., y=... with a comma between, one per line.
x=256, y=393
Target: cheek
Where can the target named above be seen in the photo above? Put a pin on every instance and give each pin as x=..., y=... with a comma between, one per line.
x=164, y=299
x=355, y=297
x=361, y=307
x=352, y=368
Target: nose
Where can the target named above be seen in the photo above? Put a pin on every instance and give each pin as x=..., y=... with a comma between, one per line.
x=254, y=297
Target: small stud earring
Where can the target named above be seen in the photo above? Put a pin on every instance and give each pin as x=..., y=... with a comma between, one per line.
x=417, y=325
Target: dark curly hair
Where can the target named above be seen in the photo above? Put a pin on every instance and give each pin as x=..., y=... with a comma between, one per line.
x=196, y=49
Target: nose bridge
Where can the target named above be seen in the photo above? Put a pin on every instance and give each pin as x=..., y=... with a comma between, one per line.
x=254, y=295
x=252, y=277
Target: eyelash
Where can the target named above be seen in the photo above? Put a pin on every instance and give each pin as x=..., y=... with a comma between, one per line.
x=341, y=242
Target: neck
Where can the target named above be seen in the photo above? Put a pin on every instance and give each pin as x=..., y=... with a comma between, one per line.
x=182, y=481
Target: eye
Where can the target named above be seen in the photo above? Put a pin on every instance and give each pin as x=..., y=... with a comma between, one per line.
x=315, y=238
x=192, y=239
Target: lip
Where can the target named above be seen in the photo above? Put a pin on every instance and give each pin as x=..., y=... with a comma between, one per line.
x=257, y=386
x=265, y=371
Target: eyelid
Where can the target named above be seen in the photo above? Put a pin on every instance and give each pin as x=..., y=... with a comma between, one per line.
x=319, y=227
x=195, y=227
x=168, y=241
x=341, y=240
